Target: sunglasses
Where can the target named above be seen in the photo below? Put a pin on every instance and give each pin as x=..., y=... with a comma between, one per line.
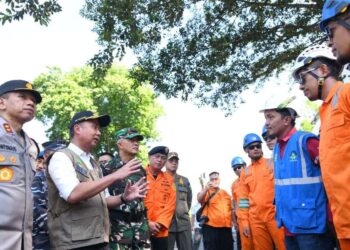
x=237, y=167
x=256, y=146
x=269, y=138
x=301, y=76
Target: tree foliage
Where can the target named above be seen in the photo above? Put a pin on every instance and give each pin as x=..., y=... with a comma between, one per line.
x=128, y=105
x=202, y=50
x=207, y=50
x=14, y=10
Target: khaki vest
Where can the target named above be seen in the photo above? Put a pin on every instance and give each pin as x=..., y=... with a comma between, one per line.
x=16, y=176
x=77, y=225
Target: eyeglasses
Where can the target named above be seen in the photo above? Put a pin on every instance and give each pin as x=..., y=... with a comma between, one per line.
x=256, y=146
x=237, y=167
x=330, y=29
x=301, y=76
x=269, y=138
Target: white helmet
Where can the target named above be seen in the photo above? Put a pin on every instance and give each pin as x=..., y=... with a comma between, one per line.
x=276, y=102
x=312, y=52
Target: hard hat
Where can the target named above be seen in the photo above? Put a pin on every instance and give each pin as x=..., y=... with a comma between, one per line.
x=276, y=102
x=250, y=138
x=237, y=161
x=332, y=8
x=309, y=54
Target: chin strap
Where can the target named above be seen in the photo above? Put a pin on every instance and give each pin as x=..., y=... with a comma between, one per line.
x=320, y=81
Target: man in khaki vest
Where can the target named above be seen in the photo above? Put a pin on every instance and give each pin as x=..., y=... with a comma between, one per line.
x=18, y=102
x=78, y=200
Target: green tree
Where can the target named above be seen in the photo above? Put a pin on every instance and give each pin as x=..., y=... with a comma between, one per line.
x=128, y=104
x=205, y=50
x=14, y=10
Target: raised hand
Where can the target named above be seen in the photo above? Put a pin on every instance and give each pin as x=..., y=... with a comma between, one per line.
x=128, y=169
x=136, y=191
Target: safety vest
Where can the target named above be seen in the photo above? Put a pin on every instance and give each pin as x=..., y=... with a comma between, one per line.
x=299, y=192
x=77, y=225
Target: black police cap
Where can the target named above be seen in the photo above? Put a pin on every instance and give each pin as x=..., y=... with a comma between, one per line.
x=19, y=85
x=82, y=116
x=159, y=149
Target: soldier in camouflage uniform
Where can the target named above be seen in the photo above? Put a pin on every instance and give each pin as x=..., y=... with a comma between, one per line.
x=39, y=189
x=129, y=225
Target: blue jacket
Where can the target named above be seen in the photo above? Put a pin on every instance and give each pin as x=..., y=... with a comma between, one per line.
x=299, y=192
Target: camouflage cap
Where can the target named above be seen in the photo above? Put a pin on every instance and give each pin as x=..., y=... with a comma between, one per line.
x=128, y=133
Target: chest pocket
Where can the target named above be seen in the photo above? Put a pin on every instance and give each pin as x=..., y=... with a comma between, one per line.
x=182, y=192
x=12, y=170
x=249, y=180
x=337, y=128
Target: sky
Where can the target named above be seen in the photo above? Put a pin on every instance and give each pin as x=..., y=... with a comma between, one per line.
x=204, y=138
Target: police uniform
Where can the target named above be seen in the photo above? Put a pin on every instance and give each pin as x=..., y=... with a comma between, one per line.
x=129, y=225
x=17, y=168
x=180, y=227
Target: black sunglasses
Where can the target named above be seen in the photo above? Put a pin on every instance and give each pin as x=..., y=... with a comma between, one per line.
x=237, y=167
x=256, y=146
x=269, y=138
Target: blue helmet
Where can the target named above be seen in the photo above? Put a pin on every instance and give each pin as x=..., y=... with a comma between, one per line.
x=237, y=161
x=264, y=131
x=332, y=8
x=250, y=138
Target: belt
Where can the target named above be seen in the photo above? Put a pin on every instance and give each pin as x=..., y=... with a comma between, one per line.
x=128, y=216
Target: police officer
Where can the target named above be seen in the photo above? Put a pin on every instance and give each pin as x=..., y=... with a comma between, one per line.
x=129, y=226
x=180, y=227
x=18, y=100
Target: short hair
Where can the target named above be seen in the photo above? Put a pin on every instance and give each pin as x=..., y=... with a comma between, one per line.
x=284, y=112
x=214, y=172
x=334, y=67
x=105, y=153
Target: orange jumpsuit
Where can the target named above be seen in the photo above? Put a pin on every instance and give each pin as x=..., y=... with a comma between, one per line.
x=258, y=183
x=219, y=210
x=237, y=193
x=335, y=157
x=160, y=200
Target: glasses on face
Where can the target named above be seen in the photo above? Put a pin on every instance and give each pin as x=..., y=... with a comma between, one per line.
x=237, y=167
x=255, y=146
x=331, y=28
x=301, y=76
x=269, y=138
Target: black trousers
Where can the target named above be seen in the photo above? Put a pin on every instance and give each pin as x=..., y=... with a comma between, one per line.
x=159, y=243
x=217, y=238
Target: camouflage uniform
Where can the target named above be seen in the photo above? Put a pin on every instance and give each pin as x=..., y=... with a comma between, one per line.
x=129, y=225
x=40, y=232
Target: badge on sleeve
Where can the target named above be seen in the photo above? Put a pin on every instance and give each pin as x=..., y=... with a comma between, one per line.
x=2, y=158
x=7, y=128
x=6, y=174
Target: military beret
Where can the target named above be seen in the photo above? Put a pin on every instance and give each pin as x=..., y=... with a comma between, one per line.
x=82, y=116
x=128, y=133
x=19, y=85
x=159, y=149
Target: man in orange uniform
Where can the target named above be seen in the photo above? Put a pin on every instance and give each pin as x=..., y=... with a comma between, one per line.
x=259, y=185
x=238, y=164
x=160, y=200
x=217, y=232
x=334, y=147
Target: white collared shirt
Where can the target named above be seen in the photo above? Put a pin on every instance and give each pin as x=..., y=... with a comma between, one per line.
x=62, y=171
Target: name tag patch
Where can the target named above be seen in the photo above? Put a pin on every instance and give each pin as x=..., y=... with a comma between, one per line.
x=6, y=174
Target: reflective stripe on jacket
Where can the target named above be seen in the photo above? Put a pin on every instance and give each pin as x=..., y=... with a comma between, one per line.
x=299, y=192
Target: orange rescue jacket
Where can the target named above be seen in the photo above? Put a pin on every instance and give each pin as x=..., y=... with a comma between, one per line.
x=335, y=155
x=160, y=200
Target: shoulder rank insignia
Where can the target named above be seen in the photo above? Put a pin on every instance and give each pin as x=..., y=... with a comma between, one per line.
x=7, y=128
x=13, y=159
x=6, y=174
